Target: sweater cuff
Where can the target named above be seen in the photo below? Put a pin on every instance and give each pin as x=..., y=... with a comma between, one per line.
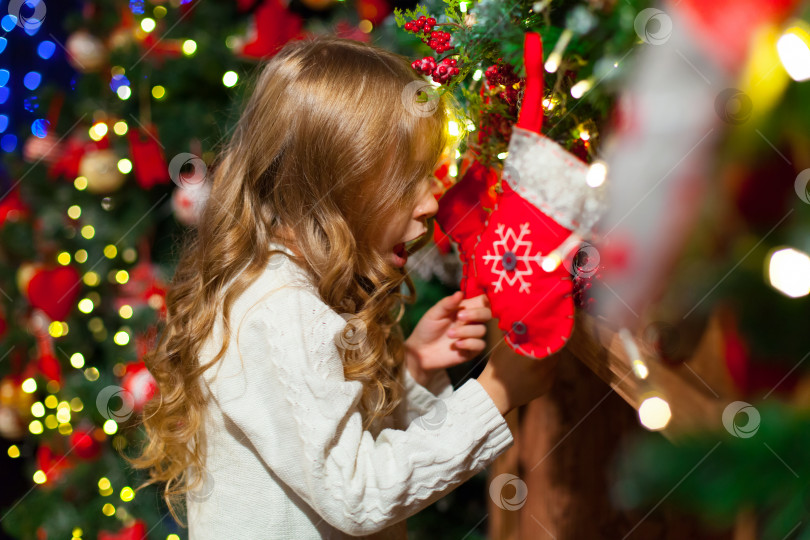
x=471, y=399
x=440, y=386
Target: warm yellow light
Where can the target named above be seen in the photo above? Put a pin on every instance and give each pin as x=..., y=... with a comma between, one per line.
x=579, y=89
x=91, y=279
x=80, y=183
x=110, y=427
x=158, y=92
x=125, y=312
x=189, y=47
x=77, y=360
x=98, y=130
x=104, y=483
x=452, y=128
x=365, y=26
x=551, y=262
x=124, y=165
x=50, y=421
x=76, y=404
x=39, y=477
x=127, y=494
x=230, y=78
x=124, y=92
x=108, y=509
x=29, y=386
x=121, y=338
x=63, y=258
x=110, y=251
x=148, y=24
x=38, y=409
x=477, y=75
x=13, y=451
x=85, y=305
x=63, y=414
x=584, y=135
x=597, y=173
x=120, y=128
x=553, y=62
x=159, y=12
x=503, y=155
x=794, y=52
x=122, y=276
x=789, y=272
x=91, y=374
x=74, y=212
x=81, y=256
x=88, y=231
x=654, y=413
x=51, y=402
x=35, y=427
x=55, y=329
x=640, y=369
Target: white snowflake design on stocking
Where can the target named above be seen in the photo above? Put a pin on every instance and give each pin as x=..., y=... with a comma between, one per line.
x=512, y=258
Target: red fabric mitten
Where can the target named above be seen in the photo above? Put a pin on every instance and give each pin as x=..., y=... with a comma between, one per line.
x=524, y=259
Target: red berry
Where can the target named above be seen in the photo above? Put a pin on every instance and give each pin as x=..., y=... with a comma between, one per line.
x=431, y=20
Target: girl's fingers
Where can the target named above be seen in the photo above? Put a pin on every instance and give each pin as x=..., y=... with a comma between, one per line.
x=471, y=344
x=478, y=301
x=479, y=314
x=468, y=331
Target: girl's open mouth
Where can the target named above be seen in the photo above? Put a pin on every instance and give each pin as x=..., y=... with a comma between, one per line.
x=400, y=254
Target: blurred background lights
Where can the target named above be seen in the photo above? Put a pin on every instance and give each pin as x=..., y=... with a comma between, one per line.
x=158, y=92
x=32, y=80
x=98, y=131
x=8, y=23
x=230, y=78
x=789, y=272
x=148, y=24
x=120, y=127
x=654, y=413
x=9, y=142
x=4, y=75
x=29, y=386
x=124, y=165
x=39, y=128
x=597, y=173
x=579, y=89
x=794, y=52
x=46, y=49
x=189, y=47
x=3, y=122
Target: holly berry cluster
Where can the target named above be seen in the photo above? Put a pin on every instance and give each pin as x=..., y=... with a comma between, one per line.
x=441, y=72
x=437, y=40
x=504, y=75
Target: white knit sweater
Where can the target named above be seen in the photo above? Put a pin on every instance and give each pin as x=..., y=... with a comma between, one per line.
x=286, y=453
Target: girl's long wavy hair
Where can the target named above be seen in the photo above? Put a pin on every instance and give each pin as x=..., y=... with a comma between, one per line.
x=336, y=136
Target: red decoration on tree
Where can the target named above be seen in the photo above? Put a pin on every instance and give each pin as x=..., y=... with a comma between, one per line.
x=148, y=161
x=521, y=254
x=12, y=208
x=136, y=531
x=84, y=444
x=272, y=26
x=373, y=10
x=54, y=290
x=54, y=466
x=139, y=382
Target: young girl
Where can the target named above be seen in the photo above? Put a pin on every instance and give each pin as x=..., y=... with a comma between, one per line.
x=289, y=404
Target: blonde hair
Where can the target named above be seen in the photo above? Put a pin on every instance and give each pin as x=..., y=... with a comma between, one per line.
x=335, y=137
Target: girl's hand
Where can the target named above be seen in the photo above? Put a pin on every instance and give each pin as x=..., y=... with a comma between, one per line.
x=450, y=333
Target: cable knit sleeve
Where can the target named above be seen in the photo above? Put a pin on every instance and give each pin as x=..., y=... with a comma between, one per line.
x=421, y=399
x=286, y=392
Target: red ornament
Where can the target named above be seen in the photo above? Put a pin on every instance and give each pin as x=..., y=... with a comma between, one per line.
x=136, y=531
x=149, y=163
x=54, y=466
x=12, y=208
x=138, y=381
x=54, y=291
x=272, y=26
x=84, y=444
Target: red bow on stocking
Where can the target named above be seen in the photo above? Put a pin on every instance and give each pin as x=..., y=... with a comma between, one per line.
x=521, y=254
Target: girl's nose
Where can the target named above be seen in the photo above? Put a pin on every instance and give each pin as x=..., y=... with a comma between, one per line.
x=427, y=208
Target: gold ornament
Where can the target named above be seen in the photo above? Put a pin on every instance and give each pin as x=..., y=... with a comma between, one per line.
x=100, y=167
